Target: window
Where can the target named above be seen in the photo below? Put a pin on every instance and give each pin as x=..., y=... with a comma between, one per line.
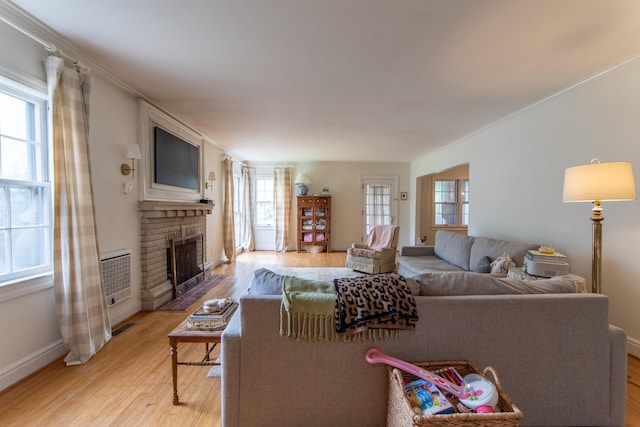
x=464, y=202
x=25, y=188
x=264, y=201
x=451, y=202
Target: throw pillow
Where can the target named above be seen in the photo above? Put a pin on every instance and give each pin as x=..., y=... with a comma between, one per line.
x=502, y=264
x=483, y=265
x=266, y=282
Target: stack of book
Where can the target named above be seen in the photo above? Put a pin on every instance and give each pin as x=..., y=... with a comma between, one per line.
x=207, y=319
x=537, y=263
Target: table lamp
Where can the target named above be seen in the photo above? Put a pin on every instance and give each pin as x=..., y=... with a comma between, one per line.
x=302, y=181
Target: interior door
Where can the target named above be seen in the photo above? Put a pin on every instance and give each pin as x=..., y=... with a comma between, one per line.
x=379, y=202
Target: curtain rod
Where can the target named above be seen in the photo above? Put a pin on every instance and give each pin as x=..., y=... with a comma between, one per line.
x=228, y=156
x=48, y=46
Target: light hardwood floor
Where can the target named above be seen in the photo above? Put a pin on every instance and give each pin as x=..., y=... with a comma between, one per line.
x=128, y=383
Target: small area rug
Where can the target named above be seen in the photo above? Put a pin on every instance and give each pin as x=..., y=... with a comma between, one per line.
x=192, y=295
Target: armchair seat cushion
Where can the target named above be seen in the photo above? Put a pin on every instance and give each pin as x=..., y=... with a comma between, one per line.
x=363, y=253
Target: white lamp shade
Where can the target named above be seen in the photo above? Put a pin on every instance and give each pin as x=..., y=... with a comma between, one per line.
x=599, y=181
x=133, y=152
x=211, y=176
x=302, y=178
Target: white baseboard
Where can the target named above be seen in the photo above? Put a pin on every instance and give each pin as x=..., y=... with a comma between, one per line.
x=633, y=347
x=28, y=365
x=123, y=310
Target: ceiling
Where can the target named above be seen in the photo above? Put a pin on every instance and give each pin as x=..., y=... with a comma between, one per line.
x=345, y=80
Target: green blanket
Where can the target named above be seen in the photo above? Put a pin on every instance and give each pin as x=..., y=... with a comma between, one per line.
x=307, y=309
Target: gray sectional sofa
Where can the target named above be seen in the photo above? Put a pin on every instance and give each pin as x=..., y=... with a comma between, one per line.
x=458, y=252
x=558, y=358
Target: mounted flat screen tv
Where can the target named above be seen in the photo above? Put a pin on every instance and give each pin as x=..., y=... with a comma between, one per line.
x=176, y=161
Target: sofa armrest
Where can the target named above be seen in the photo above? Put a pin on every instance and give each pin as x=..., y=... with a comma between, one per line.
x=230, y=380
x=388, y=255
x=359, y=246
x=618, y=393
x=417, y=251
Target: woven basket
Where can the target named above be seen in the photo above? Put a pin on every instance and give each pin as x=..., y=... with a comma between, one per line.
x=400, y=414
x=314, y=249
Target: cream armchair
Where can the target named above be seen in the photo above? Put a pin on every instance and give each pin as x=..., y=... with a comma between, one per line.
x=379, y=254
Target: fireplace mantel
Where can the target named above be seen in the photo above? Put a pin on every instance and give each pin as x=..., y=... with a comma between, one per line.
x=158, y=209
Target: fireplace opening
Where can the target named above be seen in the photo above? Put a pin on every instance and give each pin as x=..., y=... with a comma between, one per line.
x=185, y=263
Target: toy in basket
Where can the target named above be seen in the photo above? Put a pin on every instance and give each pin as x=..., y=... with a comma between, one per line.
x=401, y=412
x=475, y=393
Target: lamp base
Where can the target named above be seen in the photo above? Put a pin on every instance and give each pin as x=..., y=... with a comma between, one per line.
x=302, y=190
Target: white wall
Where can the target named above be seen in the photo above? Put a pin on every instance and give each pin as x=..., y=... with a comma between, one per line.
x=343, y=181
x=516, y=177
x=112, y=127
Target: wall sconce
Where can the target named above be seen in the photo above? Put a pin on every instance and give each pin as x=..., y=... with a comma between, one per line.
x=302, y=181
x=133, y=153
x=211, y=177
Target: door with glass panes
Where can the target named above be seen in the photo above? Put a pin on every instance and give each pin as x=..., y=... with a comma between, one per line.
x=379, y=203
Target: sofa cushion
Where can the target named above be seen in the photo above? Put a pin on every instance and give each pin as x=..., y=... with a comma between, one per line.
x=363, y=253
x=482, y=266
x=452, y=283
x=494, y=248
x=454, y=248
x=266, y=282
x=409, y=266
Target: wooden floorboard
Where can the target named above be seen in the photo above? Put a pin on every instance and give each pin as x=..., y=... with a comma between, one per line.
x=128, y=383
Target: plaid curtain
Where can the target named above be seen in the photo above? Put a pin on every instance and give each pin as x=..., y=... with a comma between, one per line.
x=228, y=228
x=248, y=198
x=282, y=202
x=80, y=299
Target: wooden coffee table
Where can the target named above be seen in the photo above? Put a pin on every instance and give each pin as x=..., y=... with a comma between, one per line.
x=182, y=334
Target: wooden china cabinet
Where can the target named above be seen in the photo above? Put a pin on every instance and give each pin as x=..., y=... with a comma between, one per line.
x=314, y=222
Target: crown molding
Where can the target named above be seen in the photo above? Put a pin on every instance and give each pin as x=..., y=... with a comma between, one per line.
x=17, y=17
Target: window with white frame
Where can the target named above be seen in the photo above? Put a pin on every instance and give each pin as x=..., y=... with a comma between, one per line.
x=25, y=185
x=264, y=202
x=451, y=202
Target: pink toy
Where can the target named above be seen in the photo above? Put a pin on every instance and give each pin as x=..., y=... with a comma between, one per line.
x=469, y=395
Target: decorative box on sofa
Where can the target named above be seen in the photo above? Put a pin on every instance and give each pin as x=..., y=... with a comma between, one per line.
x=458, y=252
x=557, y=356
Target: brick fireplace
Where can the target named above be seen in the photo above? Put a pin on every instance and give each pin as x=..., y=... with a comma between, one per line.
x=160, y=222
